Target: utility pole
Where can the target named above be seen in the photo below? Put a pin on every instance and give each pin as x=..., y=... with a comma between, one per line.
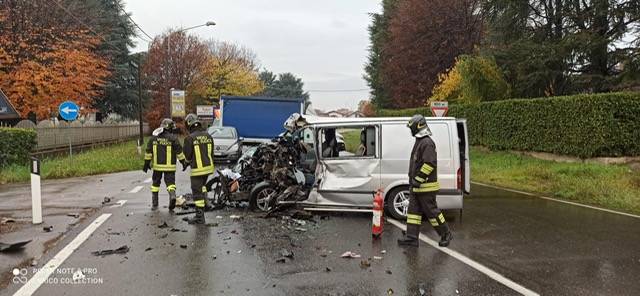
x=141, y=139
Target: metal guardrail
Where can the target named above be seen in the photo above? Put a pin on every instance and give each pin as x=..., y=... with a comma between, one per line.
x=53, y=135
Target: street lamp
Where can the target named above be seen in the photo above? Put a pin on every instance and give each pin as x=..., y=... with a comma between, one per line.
x=207, y=24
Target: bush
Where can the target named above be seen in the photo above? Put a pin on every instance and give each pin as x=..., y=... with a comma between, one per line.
x=15, y=145
x=473, y=79
x=600, y=125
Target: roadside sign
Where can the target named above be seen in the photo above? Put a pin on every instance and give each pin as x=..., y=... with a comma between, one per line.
x=204, y=110
x=68, y=111
x=440, y=109
x=177, y=103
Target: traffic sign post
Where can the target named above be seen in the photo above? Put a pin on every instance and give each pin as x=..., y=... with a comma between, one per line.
x=439, y=108
x=36, y=197
x=69, y=111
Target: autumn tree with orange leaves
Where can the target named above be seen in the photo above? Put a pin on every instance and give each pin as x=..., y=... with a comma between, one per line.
x=45, y=60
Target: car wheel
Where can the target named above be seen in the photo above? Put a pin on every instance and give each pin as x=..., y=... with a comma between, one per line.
x=259, y=198
x=398, y=202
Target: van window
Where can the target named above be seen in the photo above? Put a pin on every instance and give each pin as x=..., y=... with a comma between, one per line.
x=342, y=142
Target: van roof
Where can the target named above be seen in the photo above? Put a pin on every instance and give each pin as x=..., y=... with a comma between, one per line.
x=311, y=119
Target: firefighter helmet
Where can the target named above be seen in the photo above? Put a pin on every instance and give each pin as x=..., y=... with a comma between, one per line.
x=192, y=121
x=418, y=126
x=168, y=124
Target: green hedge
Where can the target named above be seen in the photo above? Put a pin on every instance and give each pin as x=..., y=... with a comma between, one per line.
x=598, y=125
x=15, y=145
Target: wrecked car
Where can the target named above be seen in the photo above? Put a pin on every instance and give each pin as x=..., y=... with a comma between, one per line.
x=318, y=174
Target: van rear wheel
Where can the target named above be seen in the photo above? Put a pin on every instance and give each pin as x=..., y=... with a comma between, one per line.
x=398, y=202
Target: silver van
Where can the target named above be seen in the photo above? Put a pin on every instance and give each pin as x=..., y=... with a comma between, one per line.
x=376, y=155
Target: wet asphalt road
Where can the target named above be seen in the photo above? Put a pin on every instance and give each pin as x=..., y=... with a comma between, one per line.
x=548, y=247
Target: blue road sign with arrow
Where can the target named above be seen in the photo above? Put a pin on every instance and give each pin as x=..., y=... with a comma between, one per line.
x=69, y=111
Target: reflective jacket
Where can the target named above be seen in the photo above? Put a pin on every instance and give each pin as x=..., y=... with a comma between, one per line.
x=164, y=151
x=198, y=149
x=423, y=166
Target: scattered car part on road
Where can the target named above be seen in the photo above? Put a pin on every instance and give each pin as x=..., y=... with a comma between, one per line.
x=7, y=220
x=48, y=228
x=121, y=250
x=350, y=255
x=286, y=253
x=12, y=247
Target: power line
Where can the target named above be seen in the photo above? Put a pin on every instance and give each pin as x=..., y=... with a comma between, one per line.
x=339, y=90
x=134, y=22
x=85, y=25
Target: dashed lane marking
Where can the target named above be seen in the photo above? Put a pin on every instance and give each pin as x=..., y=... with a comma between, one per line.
x=558, y=200
x=136, y=189
x=147, y=180
x=473, y=264
x=43, y=274
x=119, y=203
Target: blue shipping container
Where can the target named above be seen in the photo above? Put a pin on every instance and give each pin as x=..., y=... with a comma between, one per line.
x=258, y=117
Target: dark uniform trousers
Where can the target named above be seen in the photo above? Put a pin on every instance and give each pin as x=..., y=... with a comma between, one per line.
x=199, y=189
x=424, y=204
x=169, y=181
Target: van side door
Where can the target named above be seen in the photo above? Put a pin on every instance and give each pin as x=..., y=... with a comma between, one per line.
x=349, y=164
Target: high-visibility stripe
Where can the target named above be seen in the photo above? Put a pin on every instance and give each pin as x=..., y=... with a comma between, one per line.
x=199, y=203
x=202, y=171
x=414, y=216
x=171, y=187
x=427, y=187
x=421, y=180
x=209, y=153
x=427, y=169
x=433, y=221
x=155, y=154
x=164, y=168
x=168, y=155
x=148, y=156
x=196, y=150
x=414, y=221
x=441, y=217
x=181, y=156
x=155, y=188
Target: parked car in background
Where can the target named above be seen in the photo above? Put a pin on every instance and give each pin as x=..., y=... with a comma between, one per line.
x=227, y=143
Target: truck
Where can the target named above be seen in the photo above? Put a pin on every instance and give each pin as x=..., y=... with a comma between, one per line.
x=258, y=119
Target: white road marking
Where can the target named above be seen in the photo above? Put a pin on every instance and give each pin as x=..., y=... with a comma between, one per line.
x=43, y=274
x=147, y=180
x=136, y=189
x=475, y=265
x=119, y=203
x=558, y=200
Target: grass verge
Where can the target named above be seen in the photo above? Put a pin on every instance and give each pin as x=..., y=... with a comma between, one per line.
x=615, y=187
x=102, y=160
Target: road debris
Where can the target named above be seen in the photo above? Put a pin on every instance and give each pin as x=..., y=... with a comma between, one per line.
x=181, y=213
x=106, y=200
x=74, y=215
x=183, y=246
x=364, y=264
x=239, y=251
x=281, y=260
x=390, y=291
x=178, y=230
x=227, y=238
x=148, y=249
x=327, y=269
x=383, y=252
x=212, y=224
x=421, y=289
x=164, y=235
x=163, y=225
x=48, y=228
x=377, y=258
x=235, y=217
x=34, y=262
x=286, y=253
x=300, y=229
x=388, y=271
x=121, y=250
x=219, y=217
x=7, y=220
x=12, y=247
x=350, y=255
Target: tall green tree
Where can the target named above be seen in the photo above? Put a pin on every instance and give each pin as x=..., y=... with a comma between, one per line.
x=284, y=85
x=554, y=47
x=378, y=34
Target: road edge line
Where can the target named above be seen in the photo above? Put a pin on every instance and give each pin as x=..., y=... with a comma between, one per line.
x=471, y=263
x=43, y=274
x=559, y=200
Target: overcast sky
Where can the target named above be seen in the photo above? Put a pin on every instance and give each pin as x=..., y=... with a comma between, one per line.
x=323, y=42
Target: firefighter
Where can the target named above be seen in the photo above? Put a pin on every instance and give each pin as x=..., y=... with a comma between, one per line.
x=198, y=150
x=162, y=153
x=423, y=177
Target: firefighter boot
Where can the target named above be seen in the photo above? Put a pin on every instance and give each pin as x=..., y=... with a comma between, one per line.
x=172, y=200
x=199, y=217
x=411, y=237
x=154, y=200
x=445, y=235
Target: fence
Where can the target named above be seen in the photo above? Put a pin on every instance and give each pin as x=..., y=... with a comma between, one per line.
x=53, y=135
